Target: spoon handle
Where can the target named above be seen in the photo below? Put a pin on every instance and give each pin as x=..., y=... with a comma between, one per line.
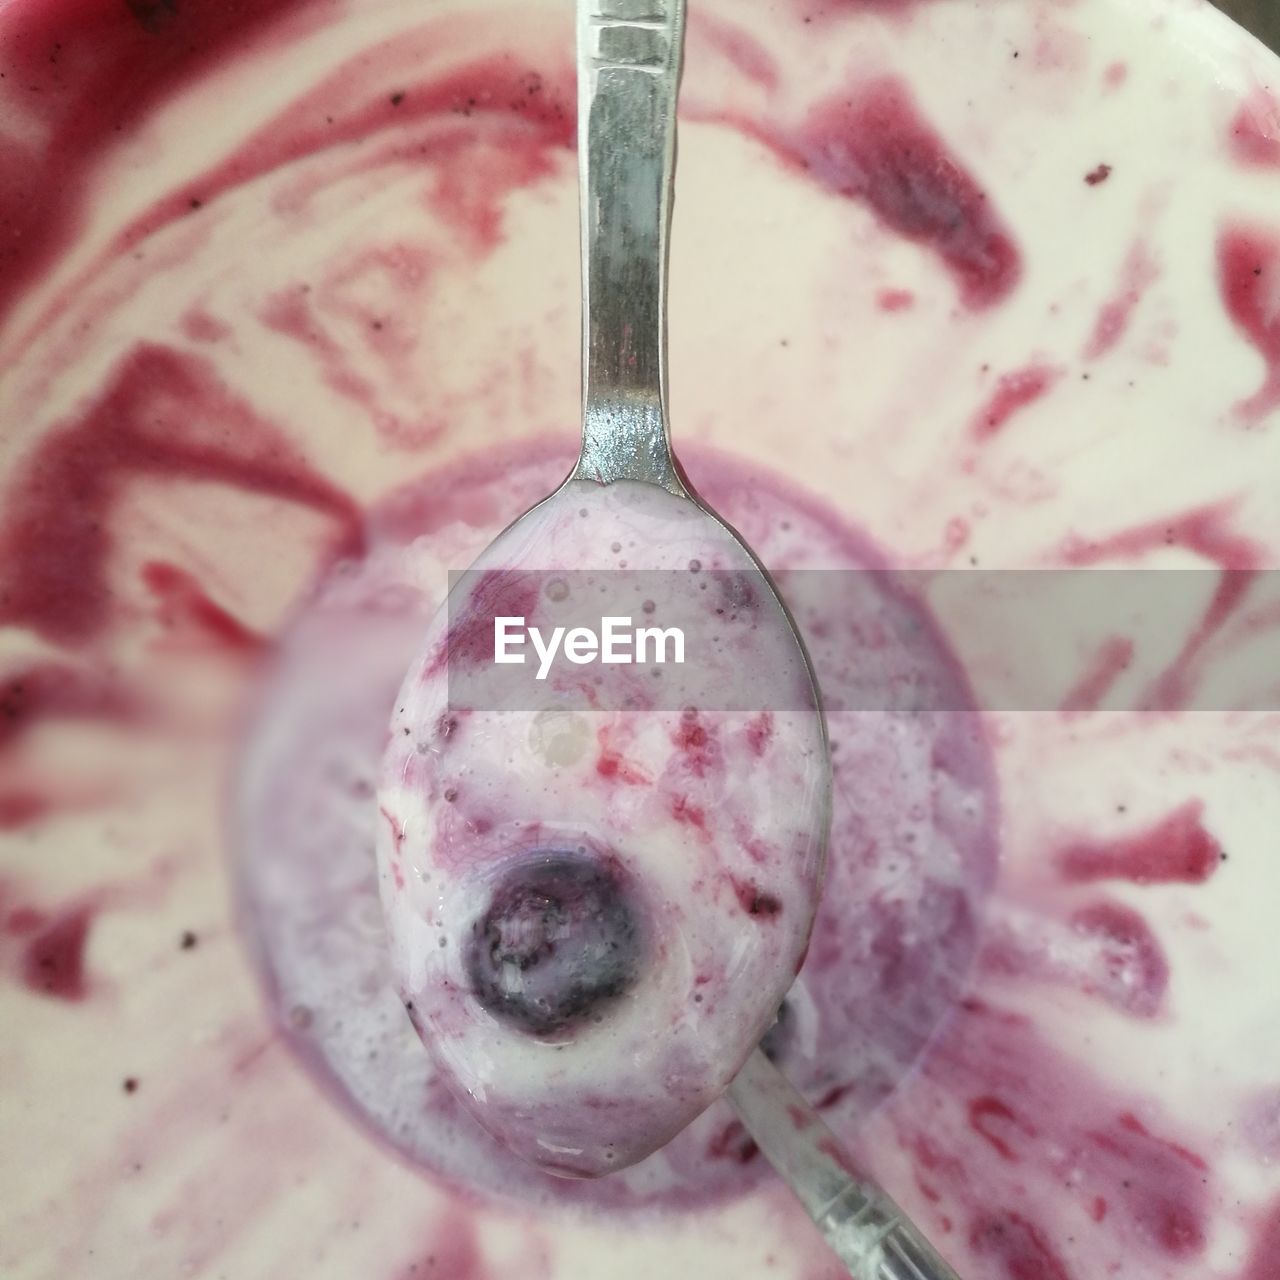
x=629, y=56
x=865, y=1229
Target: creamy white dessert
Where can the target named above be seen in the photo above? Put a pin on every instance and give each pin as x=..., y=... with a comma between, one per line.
x=599, y=879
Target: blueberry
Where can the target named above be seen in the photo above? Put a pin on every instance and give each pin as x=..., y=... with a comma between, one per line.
x=559, y=942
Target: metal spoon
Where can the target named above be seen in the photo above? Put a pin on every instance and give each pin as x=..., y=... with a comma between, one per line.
x=867, y=1231
x=629, y=60
x=590, y=960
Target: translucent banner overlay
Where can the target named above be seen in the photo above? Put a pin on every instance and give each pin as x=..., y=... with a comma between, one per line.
x=904, y=642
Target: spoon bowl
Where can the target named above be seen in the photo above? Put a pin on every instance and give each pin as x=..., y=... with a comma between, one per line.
x=600, y=882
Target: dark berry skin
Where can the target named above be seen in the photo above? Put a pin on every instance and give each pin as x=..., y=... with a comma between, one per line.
x=559, y=941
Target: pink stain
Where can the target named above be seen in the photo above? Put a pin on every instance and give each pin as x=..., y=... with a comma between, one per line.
x=184, y=603
x=996, y=1123
x=1138, y=272
x=616, y=768
x=872, y=145
x=894, y=300
x=690, y=814
x=451, y=1253
x=756, y=902
x=815, y=11
x=737, y=46
x=699, y=750
x=1204, y=532
x=54, y=690
x=520, y=110
x=1264, y=1256
x=761, y=851
x=22, y=807
x=141, y=54
x=1128, y=968
x=1091, y=1151
x=52, y=961
x=1254, y=138
x=1131, y=1124
x=733, y=1143
x=760, y=732
x=198, y=325
x=1014, y=392
x=957, y=533
x=833, y=1096
x=1111, y=661
x=163, y=415
x=397, y=831
x=291, y=314
x=1015, y=1248
x=496, y=593
x=469, y=189
x=1249, y=279
x=1102, y=950
x=1176, y=850
x=521, y=116
x=1115, y=75
x=1168, y=1212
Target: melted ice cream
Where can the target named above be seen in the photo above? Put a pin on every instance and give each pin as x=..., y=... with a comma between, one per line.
x=597, y=904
